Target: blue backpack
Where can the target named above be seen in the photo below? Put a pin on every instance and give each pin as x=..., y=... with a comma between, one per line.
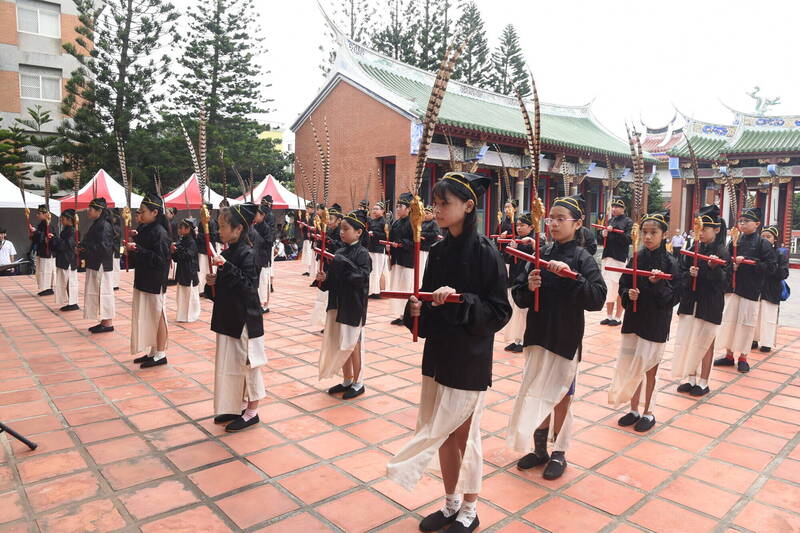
x=785, y=290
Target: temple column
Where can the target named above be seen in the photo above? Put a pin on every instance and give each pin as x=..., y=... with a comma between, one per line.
x=774, y=201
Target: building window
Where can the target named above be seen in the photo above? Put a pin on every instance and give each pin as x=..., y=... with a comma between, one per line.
x=39, y=18
x=38, y=85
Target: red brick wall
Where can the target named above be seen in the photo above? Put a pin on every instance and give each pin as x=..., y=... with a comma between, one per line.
x=68, y=25
x=9, y=91
x=362, y=130
x=8, y=23
x=676, y=222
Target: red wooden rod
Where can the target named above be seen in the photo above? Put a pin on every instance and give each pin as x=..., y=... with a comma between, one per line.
x=639, y=273
x=540, y=262
x=612, y=230
x=421, y=296
x=390, y=243
x=716, y=261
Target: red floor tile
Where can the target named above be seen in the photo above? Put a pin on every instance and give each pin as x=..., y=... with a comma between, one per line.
x=157, y=499
x=663, y=517
x=98, y=515
x=510, y=492
x=70, y=489
x=196, y=455
x=564, y=516
x=699, y=496
x=46, y=466
x=316, y=484
x=225, y=478
x=373, y=511
x=197, y=519
x=281, y=459
x=758, y=517
x=256, y=505
x=603, y=494
x=133, y=472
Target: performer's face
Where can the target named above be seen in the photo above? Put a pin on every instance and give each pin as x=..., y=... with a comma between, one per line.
x=66, y=221
x=145, y=215
x=376, y=212
x=708, y=234
x=401, y=211
x=617, y=211
x=259, y=217
x=94, y=214
x=41, y=216
x=183, y=230
x=747, y=226
x=227, y=233
x=509, y=209
x=523, y=230
x=428, y=216
x=652, y=235
x=563, y=224
x=348, y=233
x=769, y=236
x=451, y=210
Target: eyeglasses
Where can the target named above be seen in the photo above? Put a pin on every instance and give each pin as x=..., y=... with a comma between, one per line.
x=558, y=221
x=743, y=221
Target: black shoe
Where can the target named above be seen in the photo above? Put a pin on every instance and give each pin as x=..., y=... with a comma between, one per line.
x=614, y=322
x=71, y=307
x=685, y=387
x=306, y=273
x=313, y=283
x=532, y=460
x=224, y=419
x=46, y=292
x=765, y=349
x=743, y=366
x=628, y=420
x=510, y=347
x=754, y=345
x=338, y=388
x=436, y=521
x=397, y=322
x=240, y=423
x=271, y=288
x=724, y=361
x=458, y=527
x=605, y=322
x=645, y=423
x=698, y=391
x=142, y=359
x=116, y=288
x=152, y=362
x=374, y=296
x=517, y=349
x=264, y=310
x=101, y=329
x=352, y=392
x=555, y=468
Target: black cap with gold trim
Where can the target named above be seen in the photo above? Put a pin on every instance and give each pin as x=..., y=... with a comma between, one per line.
x=98, y=203
x=473, y=184
x=661, y=218
x=154, y=202
x=751, y=213
x=576, y=205
x=618, y=202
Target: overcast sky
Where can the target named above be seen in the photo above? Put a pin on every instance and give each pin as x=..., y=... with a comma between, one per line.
x=632, y=57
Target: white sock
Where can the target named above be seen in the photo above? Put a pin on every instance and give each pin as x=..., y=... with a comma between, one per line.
x=159, y=355
x=249, y=413
x=357, y=385
x=467, y=513
x=649, y=417
x=244, y=405
x=452, y=503
x=636, y=413
x=703, y=383
x=610, y=317
x=347, y=382
x=693, y=380
x=152, y=351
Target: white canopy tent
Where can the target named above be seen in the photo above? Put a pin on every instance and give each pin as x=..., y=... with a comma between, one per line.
x=10, y=197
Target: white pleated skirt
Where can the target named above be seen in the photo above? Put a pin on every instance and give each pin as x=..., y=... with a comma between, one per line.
x=264, y=280
x=423, y=260
x=739, y=321
x=767, y=326
x=237, y=372
x=547, y=378
x=66, y=286
x=636, y=357
x=45, y=272
x=378, y=267
x=514, y=331
x=188, y=303
x=442, y=410
x=337, y=345
x=612, y=278
x=692, y=340
x=98, y=295
x=117, y=270
x=401, y=279
x=318, y=311
x=309, y=257
x=147, y=311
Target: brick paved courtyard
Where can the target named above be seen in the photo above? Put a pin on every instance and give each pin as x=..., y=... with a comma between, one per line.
x=127, y=449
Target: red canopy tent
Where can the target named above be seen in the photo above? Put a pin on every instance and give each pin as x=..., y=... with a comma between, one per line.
x=282, y=198
x=187, y=196
x=101, y=185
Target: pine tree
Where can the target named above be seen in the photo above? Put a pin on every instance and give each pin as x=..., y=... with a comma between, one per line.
x=13, y=157
x=474, y=67
x=45, y=143
x=655, y=197
x=120, y=69
x=509, y=72
x=396, y=38
x=219, y=59
x=434, y=27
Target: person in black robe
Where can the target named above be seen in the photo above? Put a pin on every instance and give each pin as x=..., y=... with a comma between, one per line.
x=258, y=234
x=184, y=254
x=97, y=250
x=41, y=238
x=553, y=339
x=174, y=238
x=741, y=305
x=376, y=231
x=150, y=255
x=238, y=322
x=269, y=235
x=515, y=329
x=430, y=235
x=457, y=358
x=701, y=304
x=347, y=283
x=66, y=279
x=119, y=232
x=586, y=239
x=309, y=258
x=769, y=305
x=506, y=228
x=401, y=256
x=615, y=253
x=213, y=235
x=645, y=330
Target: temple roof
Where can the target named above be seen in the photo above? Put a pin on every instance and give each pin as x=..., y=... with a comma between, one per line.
x=408, y=88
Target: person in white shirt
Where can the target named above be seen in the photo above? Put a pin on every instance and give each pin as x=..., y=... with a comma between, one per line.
x=8, y=254
x=678, y=242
